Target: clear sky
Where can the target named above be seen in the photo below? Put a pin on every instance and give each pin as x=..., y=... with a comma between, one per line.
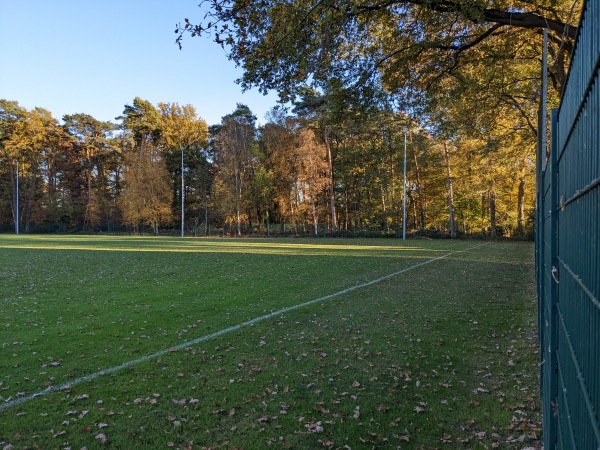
x=95, y=56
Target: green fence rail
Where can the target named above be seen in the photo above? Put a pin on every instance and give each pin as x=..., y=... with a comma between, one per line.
x=568, y=253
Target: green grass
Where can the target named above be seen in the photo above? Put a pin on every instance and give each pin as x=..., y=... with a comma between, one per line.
x=442, y=356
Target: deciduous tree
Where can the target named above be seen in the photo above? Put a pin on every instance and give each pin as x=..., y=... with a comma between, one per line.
x=94, y=144
x=183, y=131
x=234, y=139
x=284, y=45
x=146, y=197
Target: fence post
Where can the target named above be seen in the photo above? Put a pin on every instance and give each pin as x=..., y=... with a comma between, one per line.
x=553, y=241
x=539, y=243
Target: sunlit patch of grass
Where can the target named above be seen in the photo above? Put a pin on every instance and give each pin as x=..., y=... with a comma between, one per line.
x=357, y=247
x=442, y=356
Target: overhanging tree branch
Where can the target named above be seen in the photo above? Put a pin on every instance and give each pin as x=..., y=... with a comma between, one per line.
x=525, y=19
x=474, y=42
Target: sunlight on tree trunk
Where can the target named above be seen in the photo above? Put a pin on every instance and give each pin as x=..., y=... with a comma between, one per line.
x=450, y=192
x=331, y=183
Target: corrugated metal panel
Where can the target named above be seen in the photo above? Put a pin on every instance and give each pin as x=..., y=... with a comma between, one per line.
x=568, y=245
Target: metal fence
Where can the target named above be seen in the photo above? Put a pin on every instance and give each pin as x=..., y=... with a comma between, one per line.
x=568, y=253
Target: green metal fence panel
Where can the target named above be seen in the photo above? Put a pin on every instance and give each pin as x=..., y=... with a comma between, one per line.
x=548, y=293
x=568, y=251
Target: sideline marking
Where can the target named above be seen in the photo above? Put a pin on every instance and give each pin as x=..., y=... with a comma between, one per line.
x=70, y=384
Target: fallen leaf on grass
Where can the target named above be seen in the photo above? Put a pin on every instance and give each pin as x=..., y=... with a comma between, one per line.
x=322, y=410
x=101, y=437
x=405, y=438
x=80, y=397
x=313, y=427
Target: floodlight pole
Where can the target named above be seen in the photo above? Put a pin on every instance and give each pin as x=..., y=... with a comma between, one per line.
x=404, y=193
x=17, y=201
x=182, y=196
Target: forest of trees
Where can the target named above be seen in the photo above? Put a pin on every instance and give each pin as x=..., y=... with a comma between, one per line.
x=299, y=172
x=456, y=86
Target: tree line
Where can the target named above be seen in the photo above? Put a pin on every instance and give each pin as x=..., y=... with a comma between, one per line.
x=325, y=166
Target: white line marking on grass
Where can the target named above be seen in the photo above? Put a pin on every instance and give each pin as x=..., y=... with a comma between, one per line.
x=134, y=362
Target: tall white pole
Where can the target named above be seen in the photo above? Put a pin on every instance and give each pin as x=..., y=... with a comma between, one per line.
x=182, y=195
x=404, y=193
x=17, y=201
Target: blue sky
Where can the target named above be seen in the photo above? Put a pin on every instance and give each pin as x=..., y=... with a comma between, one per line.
x=95, y=56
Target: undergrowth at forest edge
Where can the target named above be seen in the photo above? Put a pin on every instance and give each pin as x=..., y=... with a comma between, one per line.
x=442, y=356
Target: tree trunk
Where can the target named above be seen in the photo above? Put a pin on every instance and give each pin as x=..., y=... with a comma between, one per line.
x=418, y=173
x=450, y=193
x=492, y=195
x=387, y=225
x=88, y=206
x=521, y=207
x=28, y=209
x=13, y=184
x=294, y=218
x=238, y=201
x=413, y=206
x=314, y=214
x=346, y=211
x=393, y=206
x=331, y=184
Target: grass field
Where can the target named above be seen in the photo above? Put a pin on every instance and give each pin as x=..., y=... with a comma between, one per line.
x=115, y=342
